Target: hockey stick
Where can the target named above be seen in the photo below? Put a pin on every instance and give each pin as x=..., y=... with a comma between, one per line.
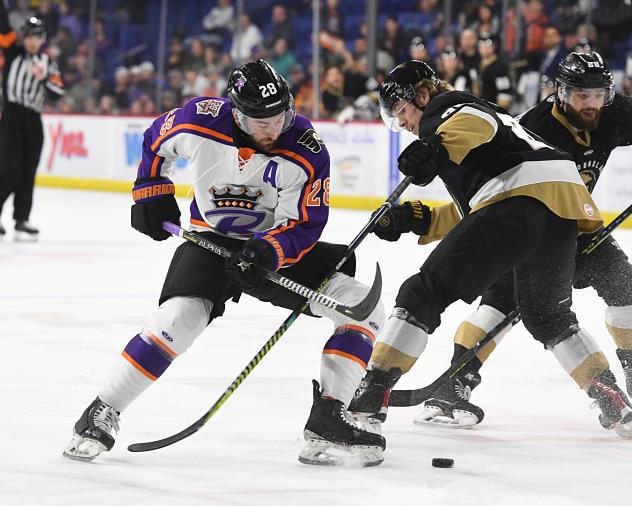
x=359, y=312
x=601, y=236
x=197, y=425
x=405, y=398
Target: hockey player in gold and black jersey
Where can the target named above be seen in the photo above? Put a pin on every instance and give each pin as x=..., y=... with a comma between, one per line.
x=522, y=203
x=588, y=120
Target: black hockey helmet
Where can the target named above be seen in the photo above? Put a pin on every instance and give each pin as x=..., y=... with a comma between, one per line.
x=400, y=85
x=258, y=91
x=33, y=26
x=583, y=70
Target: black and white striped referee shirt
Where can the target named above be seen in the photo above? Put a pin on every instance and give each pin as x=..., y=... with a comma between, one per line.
x=19, y=85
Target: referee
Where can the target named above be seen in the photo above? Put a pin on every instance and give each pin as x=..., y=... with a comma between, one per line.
x=27, y=74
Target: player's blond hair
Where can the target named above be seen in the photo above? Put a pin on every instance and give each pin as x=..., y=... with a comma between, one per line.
x=434, y=86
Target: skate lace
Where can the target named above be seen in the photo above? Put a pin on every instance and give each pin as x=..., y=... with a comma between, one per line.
x=106, y=418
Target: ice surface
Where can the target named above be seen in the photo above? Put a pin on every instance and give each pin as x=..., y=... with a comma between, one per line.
x=69, y=304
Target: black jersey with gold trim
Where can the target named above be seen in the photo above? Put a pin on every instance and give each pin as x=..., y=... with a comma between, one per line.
x=590, y=149
x=489, y=157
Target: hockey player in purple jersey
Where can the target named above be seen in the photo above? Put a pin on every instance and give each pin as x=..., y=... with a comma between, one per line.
x=261, y=189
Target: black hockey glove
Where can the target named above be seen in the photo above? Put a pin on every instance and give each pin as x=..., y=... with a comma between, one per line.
x=155, y=203
x=421, y=160
x=409, y=217
x=244, y=267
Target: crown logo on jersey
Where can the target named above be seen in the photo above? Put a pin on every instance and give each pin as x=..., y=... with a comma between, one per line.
x=239, y=196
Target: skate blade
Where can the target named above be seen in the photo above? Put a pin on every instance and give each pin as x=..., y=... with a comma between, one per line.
x=624, y=430
x=83, y=449
x=433, y=415
x=24, y=237
x=325, y=453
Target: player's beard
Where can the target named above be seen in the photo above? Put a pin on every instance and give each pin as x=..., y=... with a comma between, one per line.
x=582, y=121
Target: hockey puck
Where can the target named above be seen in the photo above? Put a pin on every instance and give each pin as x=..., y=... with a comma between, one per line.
x=442, y=462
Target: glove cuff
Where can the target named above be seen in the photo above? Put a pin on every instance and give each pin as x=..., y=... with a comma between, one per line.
x=421, y=217
x=146, y=190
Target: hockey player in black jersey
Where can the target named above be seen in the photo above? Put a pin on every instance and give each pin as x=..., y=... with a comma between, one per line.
x=522, y=203
x=588, y=120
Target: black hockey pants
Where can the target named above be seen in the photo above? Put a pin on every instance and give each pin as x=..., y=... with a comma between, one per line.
x=21, y=140
x=520, y=233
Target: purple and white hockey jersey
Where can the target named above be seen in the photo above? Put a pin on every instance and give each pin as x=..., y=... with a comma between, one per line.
x=281, y=196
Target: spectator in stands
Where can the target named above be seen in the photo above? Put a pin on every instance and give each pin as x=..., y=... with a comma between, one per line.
x=214, y=61
x=195, y=57
x=107, y=105
x=175, y=79
x=554, y=52
x=69, y=19
x=147, y=79
x=102, y=42
x=120, y=92
x=194, y=84
x=246, y=41
x=281, y=28
x=66, y=105
x=486, y=22
x=393, y=39
x=332, y=19
x=583, y=45
x=282, y=58
x=468, y=51
x=47, y=13
x=566, y=16
x=588, y=36
x=429, y=19
x=494, y=83
x=177, y=55
x=383, y=60
x=219, y=22
x=536, y=22
x=332, y=33
x=169, y=101
x=419, y=51
x=451, y=70
x=341, y=89
x=19, y=15
x=217, y=84
x=67, y=45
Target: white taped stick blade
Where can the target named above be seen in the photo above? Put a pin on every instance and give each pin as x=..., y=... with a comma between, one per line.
x=84, y=449
x=320, y=452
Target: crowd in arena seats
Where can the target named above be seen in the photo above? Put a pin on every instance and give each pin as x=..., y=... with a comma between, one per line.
x=480, y=50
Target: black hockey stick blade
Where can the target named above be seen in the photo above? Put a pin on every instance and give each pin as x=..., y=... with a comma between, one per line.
x=407, y=398
x=363, y=309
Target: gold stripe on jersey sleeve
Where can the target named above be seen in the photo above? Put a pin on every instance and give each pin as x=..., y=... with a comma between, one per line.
x=442, y=220
x=466, y=130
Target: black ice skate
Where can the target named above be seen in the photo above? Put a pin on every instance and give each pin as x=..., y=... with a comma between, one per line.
x=25, y=232
x=625, y=357
x=450, y=404
x=616, y=409
x=2, y=231
x=332, y=438
x=370, y=403
x=94, y=432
